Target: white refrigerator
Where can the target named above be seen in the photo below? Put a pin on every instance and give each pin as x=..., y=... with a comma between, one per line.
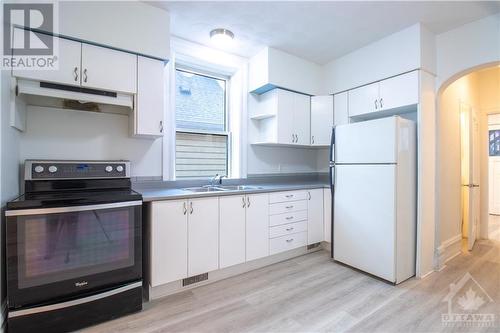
x=374, y=197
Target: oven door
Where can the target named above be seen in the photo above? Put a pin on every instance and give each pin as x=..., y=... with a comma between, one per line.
x=57, y=253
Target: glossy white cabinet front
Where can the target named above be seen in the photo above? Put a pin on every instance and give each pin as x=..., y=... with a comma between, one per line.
x=315, y=216
x=232, y=216
x=257, y=226
x=321, y=120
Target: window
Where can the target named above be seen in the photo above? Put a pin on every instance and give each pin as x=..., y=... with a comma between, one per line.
x=202, y=138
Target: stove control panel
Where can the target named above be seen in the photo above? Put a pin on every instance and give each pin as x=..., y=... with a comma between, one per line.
x=41, y=169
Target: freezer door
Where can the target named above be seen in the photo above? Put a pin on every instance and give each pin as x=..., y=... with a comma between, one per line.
x=364, y=218
x=373, y=141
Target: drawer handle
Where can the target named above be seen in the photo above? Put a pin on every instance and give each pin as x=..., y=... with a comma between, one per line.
x=289, y=217
x=289, y=240
x=289, y=229
x=289, y=196
x=289, y=207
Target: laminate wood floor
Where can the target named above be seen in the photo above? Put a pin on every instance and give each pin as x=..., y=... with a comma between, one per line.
x=313, y=294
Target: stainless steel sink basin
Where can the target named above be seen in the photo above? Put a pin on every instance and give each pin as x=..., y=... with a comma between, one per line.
x=239, y=187
x=203, y=189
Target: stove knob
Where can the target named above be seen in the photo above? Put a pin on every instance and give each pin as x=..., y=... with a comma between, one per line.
x=109, y=168
x=52, y=169
x=119, y=168
x=39, y=169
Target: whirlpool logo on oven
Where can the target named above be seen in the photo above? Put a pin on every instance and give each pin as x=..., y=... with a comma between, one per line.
x=81, y=284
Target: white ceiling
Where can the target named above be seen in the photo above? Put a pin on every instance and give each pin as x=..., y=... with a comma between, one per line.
x=317, y=31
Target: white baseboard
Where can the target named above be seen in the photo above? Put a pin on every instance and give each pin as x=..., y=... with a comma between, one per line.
x=448, y=250
x=176, y=286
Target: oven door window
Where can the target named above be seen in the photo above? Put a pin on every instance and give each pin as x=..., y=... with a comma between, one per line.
x=57, y=247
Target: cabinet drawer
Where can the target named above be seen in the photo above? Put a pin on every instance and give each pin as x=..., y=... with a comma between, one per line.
x=287, y=229
x=287, y=196
x=287, y=207
x=288, y=242
x=287, y=218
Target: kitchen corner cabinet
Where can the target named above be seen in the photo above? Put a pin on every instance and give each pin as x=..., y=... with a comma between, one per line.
x=315, y=229
x=392, y=93
x=340, y=109
x=150, y=103
x=257, y=226
x=321, y=120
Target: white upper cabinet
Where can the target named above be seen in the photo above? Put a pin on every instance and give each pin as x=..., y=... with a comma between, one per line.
x=68, y=71
x=399, y=91
x=321, y=120
x=285, y=113
x=341, y=109
x=385, y=96
x=149, y=109
x=302, y=119
x=363, y=100
x=232, y=230
x=108, y=69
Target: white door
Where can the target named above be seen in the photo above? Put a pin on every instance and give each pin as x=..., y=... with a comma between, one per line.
x=169, y=238
x=399, y=91
x=150, y=104
x=315, y=216
x=285, y=116
x=340, y=109
x=231, y=230
x=364, y=100
x=470, y=172
x=203, y=235
x=373, y=141
x=257, y=226
x=302, y=119
x=321, y=120
x=108, y=69
x=68, y=71
x=364, y=218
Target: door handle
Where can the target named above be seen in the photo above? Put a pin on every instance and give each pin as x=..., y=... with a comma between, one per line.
x=293, y=138
x=289, y=217
x=191, y=207
x=289, y=207
x=289, y=240
x=309, y=194
x=243, y=199
x=289, y=229
x=184, y=209
x=296, y=138
x=85, y=75
x=161, y=126
x=376, y=105
x=381, y=105
x=248, y=201
x=75, y=73
x=312, y=139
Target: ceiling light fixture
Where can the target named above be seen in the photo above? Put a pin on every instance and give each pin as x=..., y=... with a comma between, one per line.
x=221, y=37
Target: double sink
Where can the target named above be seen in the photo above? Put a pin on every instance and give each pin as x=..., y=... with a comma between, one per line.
x=221, y=188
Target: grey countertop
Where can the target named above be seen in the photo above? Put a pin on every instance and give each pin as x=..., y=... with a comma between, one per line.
x=154, y=193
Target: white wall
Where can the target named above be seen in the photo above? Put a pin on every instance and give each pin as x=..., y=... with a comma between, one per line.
x=401, y=52
x=67, y=134
x=468, y=46
x=129, y=25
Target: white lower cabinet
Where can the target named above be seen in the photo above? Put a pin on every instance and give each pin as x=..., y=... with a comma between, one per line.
x=169, y=241
x=203, y=235
x=257, y=226
x=288, y=242
x=315, y=232
x=232, y=228
x=327, y=215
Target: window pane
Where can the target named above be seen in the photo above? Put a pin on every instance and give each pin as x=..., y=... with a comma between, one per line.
x=200, y=155
x=199, y=102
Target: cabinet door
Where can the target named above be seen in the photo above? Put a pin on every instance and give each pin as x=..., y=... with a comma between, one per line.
x=108, y=69
x=150, y=104
x=169, y=238
x=203, y=235
x=257, y=226
x=232, y=230
x=315, y=232
x=364, y=100
x=327, y=214
x=340, y=109
x=321, y=119
x=285, y=116
x=399, y=91
x=68, y=63
x=302, y=119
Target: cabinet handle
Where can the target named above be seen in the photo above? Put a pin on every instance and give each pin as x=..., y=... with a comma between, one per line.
x=381, y=105
x=191, y=208
x=161, y=126
x=184, y=209
x=85, y=75
x=289, y=240
x=75, y=73
x=289, y=229
x=312, y=139
x=289, y=195
x=289, y=207
x=296, y=138
x=243, y=199
x=248, y=201
x=289, y=217
x=376, y=105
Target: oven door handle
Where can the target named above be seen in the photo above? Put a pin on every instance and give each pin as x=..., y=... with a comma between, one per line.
x=58, y=210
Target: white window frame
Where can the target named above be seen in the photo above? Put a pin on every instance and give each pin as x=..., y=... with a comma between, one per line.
x=227, y=131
